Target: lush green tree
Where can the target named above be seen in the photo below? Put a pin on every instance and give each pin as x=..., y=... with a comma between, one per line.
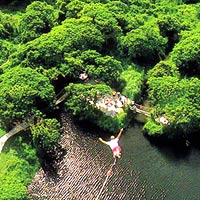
x=79, y=95
x=48, y=50
x=104, y=21
x=162, y=88
x=8, y=25
x=46, y=133
x=163, y=68
x=119, y=10
x=170, y=27
x=101, y=68
x=99, y=37
x=140, y=6
x=144, y=42
x=22, y=90
x=6, y=48
x=186, y=54
x=179, y=101
x=134, y=21
x=38, y=19
x=73, y=8
x=134, y=81
x=77, y=101
x=187, y=16
x=17, y=167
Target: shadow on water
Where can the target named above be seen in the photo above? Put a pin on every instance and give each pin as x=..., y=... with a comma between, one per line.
x=172, y=150
x=195, y=138
x=50, y=161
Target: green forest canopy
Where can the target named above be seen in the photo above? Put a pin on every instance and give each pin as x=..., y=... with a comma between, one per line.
x=135, y=46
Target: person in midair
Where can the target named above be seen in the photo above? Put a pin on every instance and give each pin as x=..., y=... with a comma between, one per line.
x=114, y=144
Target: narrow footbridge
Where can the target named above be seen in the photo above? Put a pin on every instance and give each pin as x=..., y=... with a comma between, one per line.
x=141, y=109
x=20, y=127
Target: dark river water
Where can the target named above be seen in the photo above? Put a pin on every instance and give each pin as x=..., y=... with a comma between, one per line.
x=145, y=171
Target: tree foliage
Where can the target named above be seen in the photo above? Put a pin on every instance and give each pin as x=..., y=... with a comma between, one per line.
x=104, y=20
x=45, y=133
x=102, y=38
x=144, y=42
x=77, y=101
x=186, y=54
x=17, y=168
x=21, y=90
x=38, y=19
x=48, y=50
x=133, y=82
x=179, y=101
x=103, y=68
x=79, y=95
x=47, y=44
x=164, y=68
x=7, y=48
x=8, y=26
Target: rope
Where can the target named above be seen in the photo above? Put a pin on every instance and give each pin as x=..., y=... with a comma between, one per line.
x=108, y=174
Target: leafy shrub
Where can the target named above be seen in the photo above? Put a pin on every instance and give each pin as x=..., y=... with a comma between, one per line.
x=144, y=42
x=46, y=133
x=21, y=91
x=103, y=68
x=134, y=81
x=17, y=167
x=163, y=68
x=38, y=19
x=152, y=128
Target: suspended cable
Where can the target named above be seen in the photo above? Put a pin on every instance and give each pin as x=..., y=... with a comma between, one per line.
x=108, y=174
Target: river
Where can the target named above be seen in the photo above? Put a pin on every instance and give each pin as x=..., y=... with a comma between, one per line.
x=145, y=171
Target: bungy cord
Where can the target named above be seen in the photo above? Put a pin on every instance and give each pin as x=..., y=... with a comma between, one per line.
x=108, y=174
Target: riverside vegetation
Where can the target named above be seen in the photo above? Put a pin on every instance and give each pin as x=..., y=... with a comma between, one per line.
x=146, y=49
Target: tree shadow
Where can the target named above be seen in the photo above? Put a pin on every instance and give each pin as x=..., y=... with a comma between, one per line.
x=50, y=161
x=173, y=150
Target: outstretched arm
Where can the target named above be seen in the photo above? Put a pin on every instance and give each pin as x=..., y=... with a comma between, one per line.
x=120, y=133
x=103, y=141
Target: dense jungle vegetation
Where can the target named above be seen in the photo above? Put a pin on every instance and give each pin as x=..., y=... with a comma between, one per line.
x=146, y=49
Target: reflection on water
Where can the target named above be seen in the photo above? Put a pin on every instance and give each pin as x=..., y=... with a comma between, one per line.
x=145, y=172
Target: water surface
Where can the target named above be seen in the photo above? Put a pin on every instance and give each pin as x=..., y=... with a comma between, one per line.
x=145, y=172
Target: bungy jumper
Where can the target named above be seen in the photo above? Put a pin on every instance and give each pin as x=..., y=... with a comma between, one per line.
x=114, y=144
x=116, y=150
